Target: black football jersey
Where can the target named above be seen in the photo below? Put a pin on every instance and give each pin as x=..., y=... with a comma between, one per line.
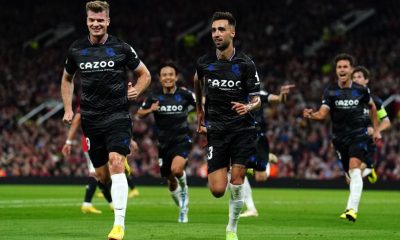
x=171, y=116
x=347, y=109
x=227, y=81
x=102, y=70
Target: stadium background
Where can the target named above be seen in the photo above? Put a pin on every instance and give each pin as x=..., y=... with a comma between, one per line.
x=290, y=42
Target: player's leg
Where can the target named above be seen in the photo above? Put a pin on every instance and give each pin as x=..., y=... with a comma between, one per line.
x=251, y=210
x=118, y=136
x=87, y=206
x=177, y=170
x=217, y=182
x=358, y=153
x=356, y=187
x=119, y=193
x=134, y=192
x=236, y=200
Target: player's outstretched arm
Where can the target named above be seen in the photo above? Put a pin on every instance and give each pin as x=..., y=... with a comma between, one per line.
x=321, y=114
x=142, y=112
x=282, y=97
x=375, y=122
x=76, y=122
x=143, y=81
x=67, y=90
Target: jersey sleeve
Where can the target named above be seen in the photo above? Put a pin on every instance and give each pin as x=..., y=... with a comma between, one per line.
x=382, y=114
x=70, y=63
x=132, y=59
x=252, y=80
x=147, y=102
x=264, y=95
x=190, y=97
x=199, y=68
x=326, y=99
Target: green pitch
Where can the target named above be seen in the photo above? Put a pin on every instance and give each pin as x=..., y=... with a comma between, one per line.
x=52, y=212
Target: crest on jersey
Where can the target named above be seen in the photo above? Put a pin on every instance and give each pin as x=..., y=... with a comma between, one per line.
x=235, y=69
x=84, y=52
x=110, y=52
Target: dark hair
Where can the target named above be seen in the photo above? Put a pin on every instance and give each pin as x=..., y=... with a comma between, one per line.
x=224, y=16
x=168, y=63
x=362, y=69
x=345, y=56
x=98, y=6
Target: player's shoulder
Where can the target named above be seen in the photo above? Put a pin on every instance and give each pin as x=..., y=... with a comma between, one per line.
x=376, y=99
x=207, y=58
x=242, y=57
x=113, y=40
x=360, y=88
x=184, y=91
x=80, y=43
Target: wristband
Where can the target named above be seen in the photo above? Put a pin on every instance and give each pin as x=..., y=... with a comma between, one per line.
x=69, y=142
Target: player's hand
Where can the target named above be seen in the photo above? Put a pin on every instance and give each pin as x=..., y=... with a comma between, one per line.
x=377, y=136
x=68, y=115
x=134, y=148
x=307, y=112
x=240, y=108
x=370, y=131
x=66, y=150
x=154, y=106
x=285, y=90
x=201, y=129
x=132, y=92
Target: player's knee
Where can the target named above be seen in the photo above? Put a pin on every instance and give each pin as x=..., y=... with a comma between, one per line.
x=217, y=192
x=116, y=163
x=237, y=181
x=102, y=177
x=261, y=177
x=177, y=171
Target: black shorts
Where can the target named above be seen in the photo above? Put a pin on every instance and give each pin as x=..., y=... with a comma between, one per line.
x=112, y=137
x=227, y=148
x=167, y=154
x=357, y=148
x=259, y=163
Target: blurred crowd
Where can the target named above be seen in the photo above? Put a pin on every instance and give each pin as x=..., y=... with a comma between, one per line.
x=275, y=34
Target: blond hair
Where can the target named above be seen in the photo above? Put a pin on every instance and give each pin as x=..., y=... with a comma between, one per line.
x=98, y=6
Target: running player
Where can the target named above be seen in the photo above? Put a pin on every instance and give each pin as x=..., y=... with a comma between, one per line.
x=261, y=165
x=231, y=88
x=361, y=76
x=346, y=101
x=101, y=60
x=170, y=108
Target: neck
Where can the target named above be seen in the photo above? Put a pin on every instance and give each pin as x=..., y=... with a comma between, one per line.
x=98, y=39
x=227, y=53
x=345, y=84
x=169, y=90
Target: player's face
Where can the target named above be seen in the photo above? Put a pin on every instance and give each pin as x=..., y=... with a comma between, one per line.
x=343, y=70
x=222, y=34
x=168, y=77
x=97, y=23
x=359, y=78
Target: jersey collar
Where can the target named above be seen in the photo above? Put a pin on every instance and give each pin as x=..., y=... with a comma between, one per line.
x=230, y=59
x=102, y=43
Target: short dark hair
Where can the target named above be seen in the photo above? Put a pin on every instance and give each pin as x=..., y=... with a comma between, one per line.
x=98, y=6
x=224, y=16
x=345, y=56
x=362, y=69
x=168, y=63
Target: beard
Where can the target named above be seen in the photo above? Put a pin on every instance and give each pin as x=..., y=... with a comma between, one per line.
x=223, y=46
